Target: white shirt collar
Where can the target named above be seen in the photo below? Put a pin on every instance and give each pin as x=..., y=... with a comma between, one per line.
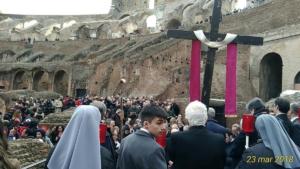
x=279, y=113
x=145, y=130
x=294, y=118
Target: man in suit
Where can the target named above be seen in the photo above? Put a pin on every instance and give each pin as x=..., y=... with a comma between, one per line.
x=139, y=150
x=256, y=107
x=281, y=108
x=213, y=124
x=197, y=147
x=295, y=109
x=109, y=143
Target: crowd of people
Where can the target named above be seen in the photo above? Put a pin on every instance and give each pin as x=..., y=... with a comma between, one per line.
x=195, y=140
x=22, y=119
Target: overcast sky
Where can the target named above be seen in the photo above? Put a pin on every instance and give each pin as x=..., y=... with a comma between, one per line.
x=55, y=7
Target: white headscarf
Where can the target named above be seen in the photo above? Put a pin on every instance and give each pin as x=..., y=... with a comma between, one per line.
x=196, y=113
x=79, y=146
x=276, y=138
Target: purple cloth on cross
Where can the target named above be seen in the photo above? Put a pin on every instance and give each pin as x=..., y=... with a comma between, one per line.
x=230, y=96
x=195, y=67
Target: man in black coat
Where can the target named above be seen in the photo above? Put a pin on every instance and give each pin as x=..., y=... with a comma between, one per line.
x=251, y=157
x=213, y=125
x=256, y=107
x=197, y=147
x=139, y=150
x=295, y=109
x=281, y=108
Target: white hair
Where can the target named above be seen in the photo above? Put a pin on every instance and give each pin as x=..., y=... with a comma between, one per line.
x=211, y=112
x=196, y=114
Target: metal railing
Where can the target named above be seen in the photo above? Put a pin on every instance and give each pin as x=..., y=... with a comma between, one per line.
x=34, y=164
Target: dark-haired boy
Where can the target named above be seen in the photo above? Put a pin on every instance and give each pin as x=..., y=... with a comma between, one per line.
x=139, y=150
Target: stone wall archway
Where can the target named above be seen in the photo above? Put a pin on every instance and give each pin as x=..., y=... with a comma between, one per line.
x=297, y=81
x=41, y=81
x=186, y=6
x=83, y=32
x=270, y=76
x=173, y=24
x=123, y=16
x=20, y=81
x=61, y=82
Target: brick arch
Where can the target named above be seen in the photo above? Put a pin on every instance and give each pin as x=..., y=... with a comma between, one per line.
x=173, y=24
x=270, y=76
x=186, y=6
x=124, y=16
x=41, y=81
x=60, y=82
x=83, y=32
x=297, y=81
x=20, y=81
x=6, y=55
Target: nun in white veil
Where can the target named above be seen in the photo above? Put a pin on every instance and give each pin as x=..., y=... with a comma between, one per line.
x=276, y=138
x=79, y=146
x=276, y=150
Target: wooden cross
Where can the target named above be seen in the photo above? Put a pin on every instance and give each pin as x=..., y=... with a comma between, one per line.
x=213, y=36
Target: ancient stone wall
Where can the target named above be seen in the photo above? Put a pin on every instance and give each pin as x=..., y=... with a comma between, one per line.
x=28, y=151
x=153, y=64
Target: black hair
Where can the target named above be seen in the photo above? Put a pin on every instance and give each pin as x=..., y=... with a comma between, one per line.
x=149, y=112
x=255, y=104
x=42, y=132
x=283, y=104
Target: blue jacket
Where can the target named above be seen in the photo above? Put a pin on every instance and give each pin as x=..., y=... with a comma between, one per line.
x=212, y=125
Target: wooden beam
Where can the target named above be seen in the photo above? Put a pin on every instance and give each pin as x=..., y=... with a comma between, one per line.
x=245, y=40
x=211, y=54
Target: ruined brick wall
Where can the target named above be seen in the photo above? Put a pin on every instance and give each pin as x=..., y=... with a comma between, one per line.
x=155, y=65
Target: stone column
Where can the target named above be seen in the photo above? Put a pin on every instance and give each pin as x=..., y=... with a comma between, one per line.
x=51, y=81
x=29, y=78
x=70, y=93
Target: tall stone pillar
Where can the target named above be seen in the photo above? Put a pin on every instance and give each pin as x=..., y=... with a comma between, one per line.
x=51, y=82
x=70, y=93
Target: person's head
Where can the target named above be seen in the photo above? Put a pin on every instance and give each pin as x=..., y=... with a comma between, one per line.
x=174, y=128
x=115, y=136
x=40, y=134
x=12, y=132
x=131, y=122
x=173, y=121
x=112, y=124
x=294, y=110
x=117, y=129
x=179, y=117
x=281, y=105
x=120, y=113
x=196, y=113
x=153, y=118
x=146, y=102
x=101, y=106
x=254, y=105
x=129, y=103
x=235, y=129
x=228, y=137
x=60, y=128
x=211, y=113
